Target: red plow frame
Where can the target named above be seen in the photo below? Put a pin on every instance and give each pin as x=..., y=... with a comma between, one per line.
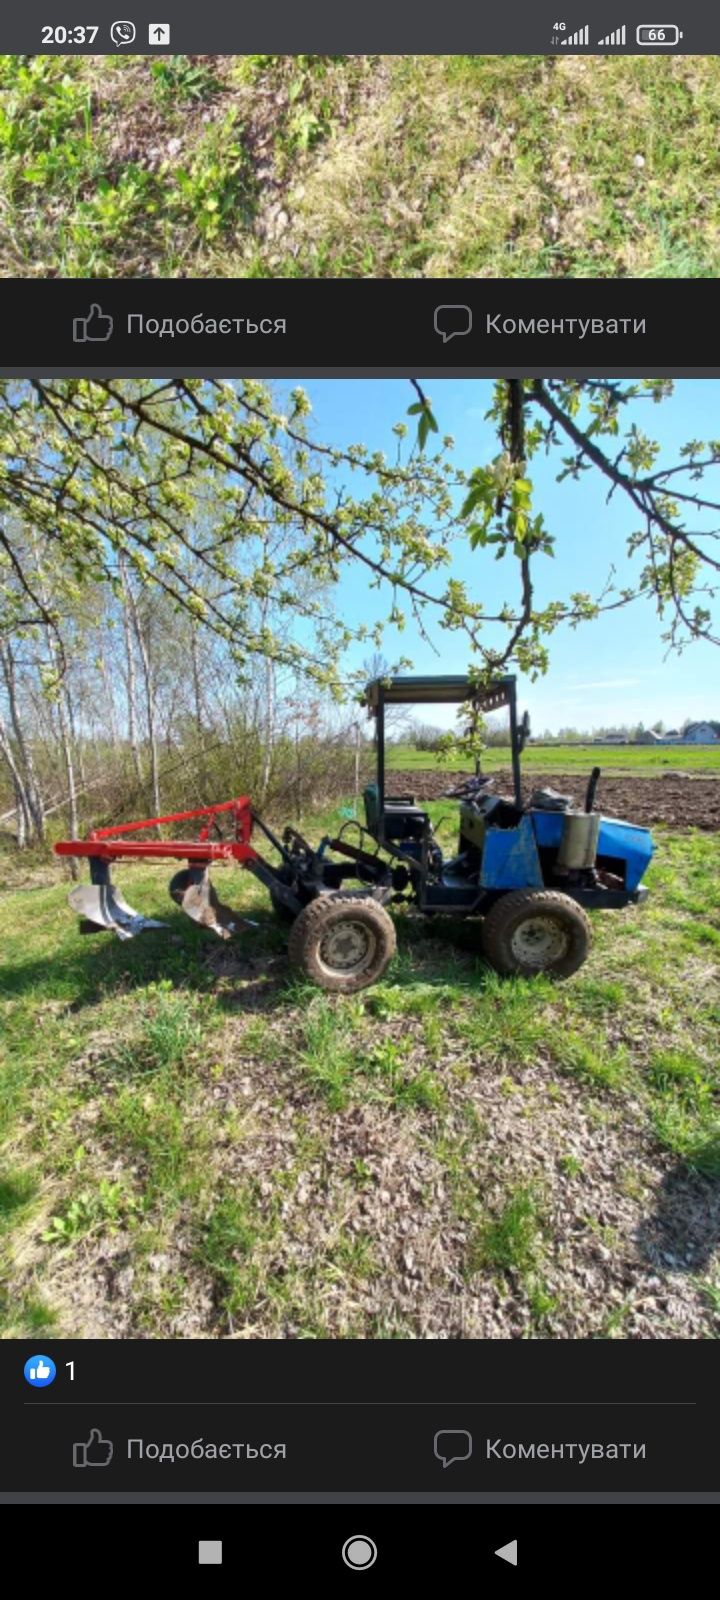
x=106, y=844
x=100, y=905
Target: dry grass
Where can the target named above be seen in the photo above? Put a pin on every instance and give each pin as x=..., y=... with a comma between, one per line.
x=352, y=166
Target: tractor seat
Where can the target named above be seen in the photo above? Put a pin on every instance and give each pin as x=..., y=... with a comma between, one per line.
x=401, y=818
x=402, y=802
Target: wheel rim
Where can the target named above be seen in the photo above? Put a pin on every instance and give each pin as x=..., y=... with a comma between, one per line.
x=347, y=948
x=539, y=942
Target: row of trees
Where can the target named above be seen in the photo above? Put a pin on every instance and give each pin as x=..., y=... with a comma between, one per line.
x=630, y=732
x=427, y=737
x=147, y=717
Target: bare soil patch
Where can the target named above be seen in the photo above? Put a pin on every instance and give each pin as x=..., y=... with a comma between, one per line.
x=675, y=800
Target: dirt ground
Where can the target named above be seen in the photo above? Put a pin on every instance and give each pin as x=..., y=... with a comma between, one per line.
x=198, y=1146
x=674, y=799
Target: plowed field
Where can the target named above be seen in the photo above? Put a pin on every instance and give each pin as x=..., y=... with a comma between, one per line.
x=674, y=800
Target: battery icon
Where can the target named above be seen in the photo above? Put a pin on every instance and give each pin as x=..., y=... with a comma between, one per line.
x=658, y=35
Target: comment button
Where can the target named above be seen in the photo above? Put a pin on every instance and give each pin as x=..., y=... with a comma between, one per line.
x=452, y=322
x=453, y=1444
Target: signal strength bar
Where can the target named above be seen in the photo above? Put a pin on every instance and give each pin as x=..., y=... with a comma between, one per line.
x=618, y=36
x=581, y=37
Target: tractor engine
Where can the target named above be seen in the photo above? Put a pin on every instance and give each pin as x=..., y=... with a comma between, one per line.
x=549, y=844
x=478, y=816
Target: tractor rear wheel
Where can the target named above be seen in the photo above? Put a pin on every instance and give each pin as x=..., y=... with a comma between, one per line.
x=536, y=930
x=342, y=942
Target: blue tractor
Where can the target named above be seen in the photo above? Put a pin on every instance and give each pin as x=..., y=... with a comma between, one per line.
x=530, y=870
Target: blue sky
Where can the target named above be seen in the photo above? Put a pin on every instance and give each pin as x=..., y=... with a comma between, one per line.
x=610, y=670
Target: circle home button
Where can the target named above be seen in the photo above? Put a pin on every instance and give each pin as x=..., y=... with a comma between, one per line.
x=359, y=1552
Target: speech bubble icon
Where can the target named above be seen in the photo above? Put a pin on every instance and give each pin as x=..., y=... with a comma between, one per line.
x=452, y=322
x=453, y=1444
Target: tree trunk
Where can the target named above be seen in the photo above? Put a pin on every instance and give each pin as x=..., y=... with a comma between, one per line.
x=78, y=754
x=21, y=799
x=130, y=676
x=32, y=799
x=199, y=707
x=67, y=753
x=112, y=726
x=268, y=726
x=298, y=775
x=67, y=749
x=149, y=700
x=357, y=769
x=197, y=685
x=22, y=819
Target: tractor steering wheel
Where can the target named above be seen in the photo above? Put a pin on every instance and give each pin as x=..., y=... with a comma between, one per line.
x=469, y=789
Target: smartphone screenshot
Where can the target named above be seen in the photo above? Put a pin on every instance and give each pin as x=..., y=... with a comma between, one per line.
x=360, y=793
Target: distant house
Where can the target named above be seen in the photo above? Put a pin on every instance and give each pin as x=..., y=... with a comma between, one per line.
x=692, y=733
x=701, y=733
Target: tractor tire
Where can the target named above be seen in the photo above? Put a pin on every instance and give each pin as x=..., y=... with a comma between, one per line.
x=536, y=930
x=342, y=943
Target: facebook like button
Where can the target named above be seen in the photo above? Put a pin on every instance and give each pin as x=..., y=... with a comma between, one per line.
x=40, y=1371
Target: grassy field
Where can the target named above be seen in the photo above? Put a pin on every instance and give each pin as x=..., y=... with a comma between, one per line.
x=642, y=760
x=355, y=166
x=196, y=1145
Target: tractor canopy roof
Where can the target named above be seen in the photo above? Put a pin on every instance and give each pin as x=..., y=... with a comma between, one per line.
x=439, y=691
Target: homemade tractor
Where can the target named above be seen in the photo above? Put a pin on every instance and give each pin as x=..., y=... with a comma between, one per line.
x=530, y=871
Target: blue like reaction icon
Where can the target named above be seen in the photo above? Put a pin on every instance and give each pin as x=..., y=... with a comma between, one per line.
x=40, y=1371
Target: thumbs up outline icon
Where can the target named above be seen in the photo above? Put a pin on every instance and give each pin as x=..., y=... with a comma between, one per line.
x=94, y=1452
x=95, y=328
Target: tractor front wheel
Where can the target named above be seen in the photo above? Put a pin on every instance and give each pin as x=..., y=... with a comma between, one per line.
x=342, y=942
x=536, y=930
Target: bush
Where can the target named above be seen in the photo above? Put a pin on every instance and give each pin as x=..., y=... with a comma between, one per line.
x=425, y=737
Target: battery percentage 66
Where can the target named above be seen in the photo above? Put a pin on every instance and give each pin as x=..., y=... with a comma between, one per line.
x=658, y=35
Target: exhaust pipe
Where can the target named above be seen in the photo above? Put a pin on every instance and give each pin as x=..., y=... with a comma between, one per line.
x=592, y=788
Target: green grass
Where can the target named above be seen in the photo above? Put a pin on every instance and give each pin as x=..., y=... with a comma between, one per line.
x=509, y=1240
x=685, y=1091
x=194, y=1144
x=17, y=1189
x=318, y=166
x=645, y=760
x=226, y=1248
